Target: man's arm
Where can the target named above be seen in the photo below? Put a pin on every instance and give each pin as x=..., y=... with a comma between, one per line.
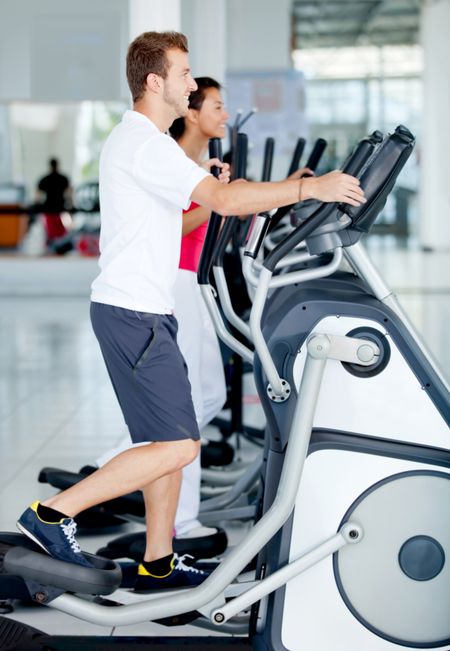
x=240, y=198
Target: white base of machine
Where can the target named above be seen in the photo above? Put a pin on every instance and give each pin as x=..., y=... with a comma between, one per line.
x=315, y=615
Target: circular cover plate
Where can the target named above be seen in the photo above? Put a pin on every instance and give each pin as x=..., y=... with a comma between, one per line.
x=369, y=575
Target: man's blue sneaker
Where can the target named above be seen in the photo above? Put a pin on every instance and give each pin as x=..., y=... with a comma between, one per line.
x=180, y=576
x=56, y=538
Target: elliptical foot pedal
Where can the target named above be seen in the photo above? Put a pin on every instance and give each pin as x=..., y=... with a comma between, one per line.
x=26, y=560
x=199, y=547
x=133, y=546
x=15, y=636
x=216, y=453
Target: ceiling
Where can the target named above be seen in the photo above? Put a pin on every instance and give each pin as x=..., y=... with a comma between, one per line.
x=345, y=23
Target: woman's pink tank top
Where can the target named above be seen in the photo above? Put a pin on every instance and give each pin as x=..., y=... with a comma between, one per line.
x=191, y=244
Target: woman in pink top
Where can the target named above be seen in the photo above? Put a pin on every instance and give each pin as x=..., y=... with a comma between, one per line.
x=206, y=119
x=196, y=337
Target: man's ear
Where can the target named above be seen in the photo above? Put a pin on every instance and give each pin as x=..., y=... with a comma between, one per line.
x=154, y=82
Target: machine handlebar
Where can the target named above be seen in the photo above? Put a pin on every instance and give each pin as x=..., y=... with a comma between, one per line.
x=240, y=170
x=353, y=165
x=215, y=151
x=268, y=159
x=296, y=156
x=312, y=162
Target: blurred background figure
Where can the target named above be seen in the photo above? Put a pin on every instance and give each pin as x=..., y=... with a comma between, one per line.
x=54, y=197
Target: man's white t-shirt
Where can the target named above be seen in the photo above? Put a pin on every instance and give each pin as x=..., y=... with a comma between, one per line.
x=146, y=181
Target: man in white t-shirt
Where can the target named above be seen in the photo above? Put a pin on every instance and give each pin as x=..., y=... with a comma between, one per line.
x=145, y=182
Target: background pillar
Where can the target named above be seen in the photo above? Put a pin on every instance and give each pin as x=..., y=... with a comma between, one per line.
x=434, y=231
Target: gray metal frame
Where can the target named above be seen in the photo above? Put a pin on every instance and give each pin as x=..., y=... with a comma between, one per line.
x=222, y=332
x=209, y=597
x=225, y=301
x=359, y=260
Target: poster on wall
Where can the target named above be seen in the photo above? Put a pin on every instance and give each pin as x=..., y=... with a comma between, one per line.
x=279, y=100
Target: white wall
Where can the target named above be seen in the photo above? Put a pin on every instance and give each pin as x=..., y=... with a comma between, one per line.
x=154, y=15
x=205, y=25
x=260, y=74
x=258, y=36
x=54, y=51
x=5, y=146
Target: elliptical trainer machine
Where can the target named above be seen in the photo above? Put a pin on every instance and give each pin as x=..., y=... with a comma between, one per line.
x=354, y=541
x=374, y=495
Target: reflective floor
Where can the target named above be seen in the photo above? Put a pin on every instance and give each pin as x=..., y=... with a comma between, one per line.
x=56, y=403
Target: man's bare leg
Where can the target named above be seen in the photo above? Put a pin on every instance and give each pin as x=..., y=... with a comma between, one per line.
x=129, y=471
x=161, y=501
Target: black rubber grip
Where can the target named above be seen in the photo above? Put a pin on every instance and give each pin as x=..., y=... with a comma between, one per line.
x=215, y=151
x=316, y=154
x=362, y=153
x=240, y=170
x=312, y=162
x=268, y=159
x=354, y=164
x=296, y=156
x=240, y=157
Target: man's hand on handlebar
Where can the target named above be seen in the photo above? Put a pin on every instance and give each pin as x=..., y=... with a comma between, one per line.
x=225, y=174
x=332, y=187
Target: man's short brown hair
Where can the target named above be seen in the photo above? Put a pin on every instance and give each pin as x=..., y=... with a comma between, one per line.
x=146, y=54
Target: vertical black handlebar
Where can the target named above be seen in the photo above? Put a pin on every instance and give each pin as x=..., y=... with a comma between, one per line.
x=298, y=151
x=316, y=154
x=353, y=165
x=215, y=151
x=312, y=162
x=240, y=235
x=240, y=170
x=240, y=159
x=360, y=155
x=268, y=159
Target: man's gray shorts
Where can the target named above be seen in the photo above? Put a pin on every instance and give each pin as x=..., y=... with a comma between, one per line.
x=148, y=372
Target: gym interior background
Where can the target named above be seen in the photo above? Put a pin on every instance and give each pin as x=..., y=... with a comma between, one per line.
x=311, y=68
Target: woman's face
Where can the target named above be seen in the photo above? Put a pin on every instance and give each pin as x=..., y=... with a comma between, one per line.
x=212, y=116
